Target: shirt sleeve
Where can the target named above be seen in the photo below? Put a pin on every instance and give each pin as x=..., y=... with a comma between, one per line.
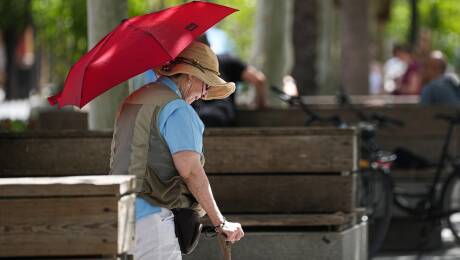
x=231, y=68
x=181, y=127
x=425, y=96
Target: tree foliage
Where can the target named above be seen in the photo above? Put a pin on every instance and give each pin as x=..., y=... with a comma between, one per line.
x=239, y=25
x=61, y=27
x=12, y=14
x=61, y=34
x=438, y=17
x=15, y=16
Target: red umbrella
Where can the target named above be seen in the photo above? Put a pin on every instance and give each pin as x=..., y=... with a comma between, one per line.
x=136, y=45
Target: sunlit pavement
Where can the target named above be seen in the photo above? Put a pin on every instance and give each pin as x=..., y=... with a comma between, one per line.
x=449, y=252
x=15, y=109
x=446, y=254
x=21, y=109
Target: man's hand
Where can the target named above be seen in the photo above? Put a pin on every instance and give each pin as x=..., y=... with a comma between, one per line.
x=189, y=167
x=232, y=231
x=257, y=79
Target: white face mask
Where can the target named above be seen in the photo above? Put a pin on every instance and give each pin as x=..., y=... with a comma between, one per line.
x=193, y=90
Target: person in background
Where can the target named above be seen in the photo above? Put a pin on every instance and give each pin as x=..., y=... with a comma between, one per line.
x=375, y=78
x=442, y=88
x=410, y=82
x=223, y=113
x=393, y=69
x=375, y=72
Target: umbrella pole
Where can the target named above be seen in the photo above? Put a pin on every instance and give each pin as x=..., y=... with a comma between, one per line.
x=225, y=247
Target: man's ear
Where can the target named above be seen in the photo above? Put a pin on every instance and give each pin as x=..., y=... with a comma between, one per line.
x=187, y=79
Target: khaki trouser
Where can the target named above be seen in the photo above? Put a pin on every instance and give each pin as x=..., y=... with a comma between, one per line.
x=156, y=238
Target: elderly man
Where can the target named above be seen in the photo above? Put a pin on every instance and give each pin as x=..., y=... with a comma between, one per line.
x=441, y=89
x=158, y=137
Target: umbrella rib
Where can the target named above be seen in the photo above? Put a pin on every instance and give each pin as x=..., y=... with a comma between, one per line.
x=92, y=58
x=152, y=36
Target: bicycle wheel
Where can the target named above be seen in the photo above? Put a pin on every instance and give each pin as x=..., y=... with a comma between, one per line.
x=451, y=204
x=379, y=199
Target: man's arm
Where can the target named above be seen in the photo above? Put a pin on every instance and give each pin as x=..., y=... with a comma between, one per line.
x=414, y=84
x=189, y=166
x=257, y=79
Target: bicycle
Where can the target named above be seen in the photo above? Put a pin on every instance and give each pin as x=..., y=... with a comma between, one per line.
x=443, y=206
x=441, y=201
x=375, y=166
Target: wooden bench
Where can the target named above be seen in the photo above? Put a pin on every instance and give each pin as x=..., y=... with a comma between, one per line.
x=233, y=157
x=63, y=119
x=86, y=216
x=422, y=134
x=270, y=179
x=365, y=100
x=291, y=189
x=263, y=159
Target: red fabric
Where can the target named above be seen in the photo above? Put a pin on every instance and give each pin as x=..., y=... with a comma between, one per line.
x=404, y=89
x=136, y=45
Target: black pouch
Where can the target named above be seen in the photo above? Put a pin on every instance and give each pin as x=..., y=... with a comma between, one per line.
x=188, y=228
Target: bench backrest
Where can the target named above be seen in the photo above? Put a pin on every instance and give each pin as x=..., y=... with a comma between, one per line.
x=422, y=133
x=237, y=150
x=251, y=170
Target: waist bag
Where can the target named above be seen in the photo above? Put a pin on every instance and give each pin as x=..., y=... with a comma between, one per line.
x=187, y=228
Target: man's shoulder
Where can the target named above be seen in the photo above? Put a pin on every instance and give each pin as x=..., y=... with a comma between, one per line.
x=179, y=109
x=181, y=114
x=441, y=81
x=175, y=104
x=152, y=93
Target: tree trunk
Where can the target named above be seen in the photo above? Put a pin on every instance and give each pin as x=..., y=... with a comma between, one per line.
x=355, y=47
x=11, y=40
x=104, y=16
x=273, y=50
x=413, y=29
x=305, y=28
x=328, y=46
x=380, y=14
x=19, y=79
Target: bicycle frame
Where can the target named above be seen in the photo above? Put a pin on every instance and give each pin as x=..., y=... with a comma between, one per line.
x=431, y=204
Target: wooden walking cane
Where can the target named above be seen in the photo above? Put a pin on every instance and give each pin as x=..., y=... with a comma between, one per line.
x=225, y=246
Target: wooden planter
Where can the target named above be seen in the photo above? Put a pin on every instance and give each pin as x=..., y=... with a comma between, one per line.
x=66, y=216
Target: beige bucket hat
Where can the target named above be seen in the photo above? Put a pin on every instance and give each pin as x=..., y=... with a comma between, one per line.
x=200, y=61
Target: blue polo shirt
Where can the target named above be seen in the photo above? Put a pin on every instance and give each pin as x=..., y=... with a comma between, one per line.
x=182, y=129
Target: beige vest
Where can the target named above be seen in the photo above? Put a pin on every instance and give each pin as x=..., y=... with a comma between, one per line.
x=139, y=149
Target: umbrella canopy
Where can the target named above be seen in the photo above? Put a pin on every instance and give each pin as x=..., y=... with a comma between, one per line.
x=136, y=45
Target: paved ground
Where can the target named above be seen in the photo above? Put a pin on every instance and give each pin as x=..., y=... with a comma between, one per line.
x=450, y=251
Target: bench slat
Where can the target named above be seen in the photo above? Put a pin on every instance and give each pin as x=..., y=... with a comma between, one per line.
x=71, y=216
x=67, y=186
x=236, y=150
x=278, y=154
x=284, y=194
x=46, y=227
x=289, y=220
x=418, y=120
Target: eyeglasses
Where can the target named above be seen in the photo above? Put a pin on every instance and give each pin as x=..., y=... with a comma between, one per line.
x=204, y=86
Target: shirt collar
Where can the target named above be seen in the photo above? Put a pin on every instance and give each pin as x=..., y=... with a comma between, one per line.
x=171, y=85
